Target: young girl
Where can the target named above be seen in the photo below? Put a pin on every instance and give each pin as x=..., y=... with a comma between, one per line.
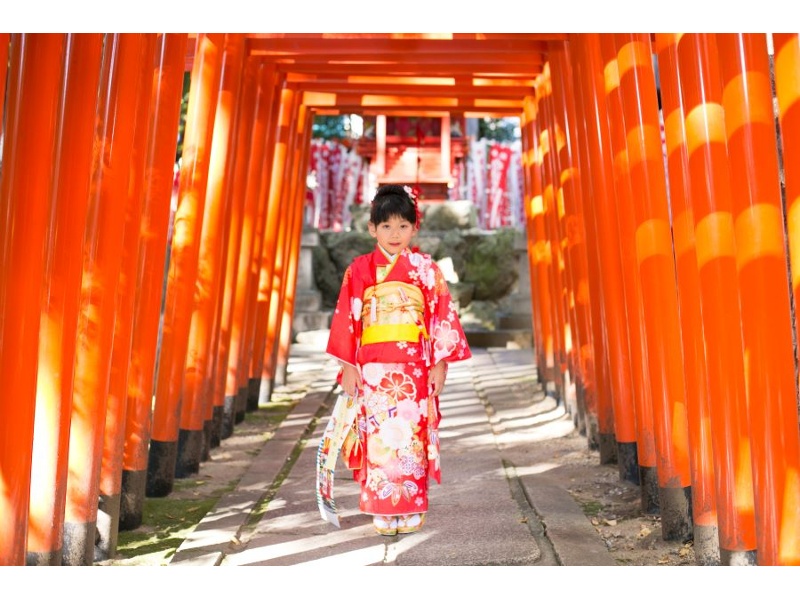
x=394, y=330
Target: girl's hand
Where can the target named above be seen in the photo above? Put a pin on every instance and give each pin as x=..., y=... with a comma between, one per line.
x=351, y=380
x=436, y=377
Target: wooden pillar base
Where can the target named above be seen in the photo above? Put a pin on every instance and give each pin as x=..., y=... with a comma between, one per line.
x=107, y=527
x=676, y=514
x=208, y=427
x=280, y=373
x=228, y=412
x=190, y=449
x=706, y=545
x=253, y=387
x=592, y=432
x=265, y=392
x=161, y=468
x=648, y=481
x=607, y=445
x=78, y=544
x=738, y=558
x=43, y=559
x=216, y=427
x=131, y=504
x=241, y=405
x=580, y=406
x=628, y=462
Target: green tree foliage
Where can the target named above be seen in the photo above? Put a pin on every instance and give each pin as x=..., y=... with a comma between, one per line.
x=500, y=130
x=187, y=80
x=327, y=127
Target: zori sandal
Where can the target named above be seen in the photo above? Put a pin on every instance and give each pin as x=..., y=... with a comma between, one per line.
x=385, y=524
x=410, y=523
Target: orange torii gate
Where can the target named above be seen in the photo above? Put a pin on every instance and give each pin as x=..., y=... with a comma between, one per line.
x=661, y=299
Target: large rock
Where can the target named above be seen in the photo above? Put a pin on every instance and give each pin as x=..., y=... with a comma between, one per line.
x=453, y=214
x=485, y=264
x=491, y=264
x=326, y=276
x=453, y=245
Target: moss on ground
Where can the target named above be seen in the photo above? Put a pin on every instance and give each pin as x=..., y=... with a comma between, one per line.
x=168, y=520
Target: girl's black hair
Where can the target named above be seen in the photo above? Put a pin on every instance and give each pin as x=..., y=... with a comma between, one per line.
x=392, y=201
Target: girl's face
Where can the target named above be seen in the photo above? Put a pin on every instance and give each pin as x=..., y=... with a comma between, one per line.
x=393, y=235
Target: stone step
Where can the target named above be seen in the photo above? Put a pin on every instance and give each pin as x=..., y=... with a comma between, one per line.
x=500, y=338
x=515, y=321
x=309, y=321
x=518, y=305
x=307, y=301
x=317, y=338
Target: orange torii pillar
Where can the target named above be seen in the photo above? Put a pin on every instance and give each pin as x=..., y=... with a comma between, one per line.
x=710, y=185
x=552, y=139
x=606, y=442
x=531, y=188
x=276, y=191
x=787, y=65
x=659, y=294
x=274, y=219
x=167, y=76
x=196, y=393
x=549, y=220
x=604, y=410
x=540, y=257
x=254, y=326
x=235, y=396
x=698, y=404
x=571, y=231
x=631, y=284
x=73, y=166
x=236, y=161
x=34, y=86
x=116, y=407
x=223, y=405
x=570, y=193
x=182, y=274
x=108, y=197
x=273, y=359
x=5, y=38
x=587, y=55
x=787, y=86
x=766, y=305
x=295, y=203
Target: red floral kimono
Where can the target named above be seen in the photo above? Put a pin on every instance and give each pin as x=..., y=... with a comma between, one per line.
x=394, y=321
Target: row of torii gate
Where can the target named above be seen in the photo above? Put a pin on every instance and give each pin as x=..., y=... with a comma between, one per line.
x=663, y=275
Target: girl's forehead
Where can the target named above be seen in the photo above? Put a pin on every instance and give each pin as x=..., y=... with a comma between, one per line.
x=395, y=219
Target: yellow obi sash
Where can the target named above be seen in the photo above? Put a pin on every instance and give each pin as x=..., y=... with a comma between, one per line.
x=392, y=312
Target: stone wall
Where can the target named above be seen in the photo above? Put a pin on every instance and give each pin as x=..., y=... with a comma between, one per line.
x=487, y=271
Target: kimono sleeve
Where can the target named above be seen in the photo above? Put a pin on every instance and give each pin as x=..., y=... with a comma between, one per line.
x=447, y=335
x=342, y=342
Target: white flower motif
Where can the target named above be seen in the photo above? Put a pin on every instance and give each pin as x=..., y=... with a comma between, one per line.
x=372, y=373
x=430, y=278
x=446, y=339
x=414, y=258
x=409, y=411
x=356, y=308
x=395, y=433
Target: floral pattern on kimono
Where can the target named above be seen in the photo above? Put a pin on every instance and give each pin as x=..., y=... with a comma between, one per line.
x=397, y=426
